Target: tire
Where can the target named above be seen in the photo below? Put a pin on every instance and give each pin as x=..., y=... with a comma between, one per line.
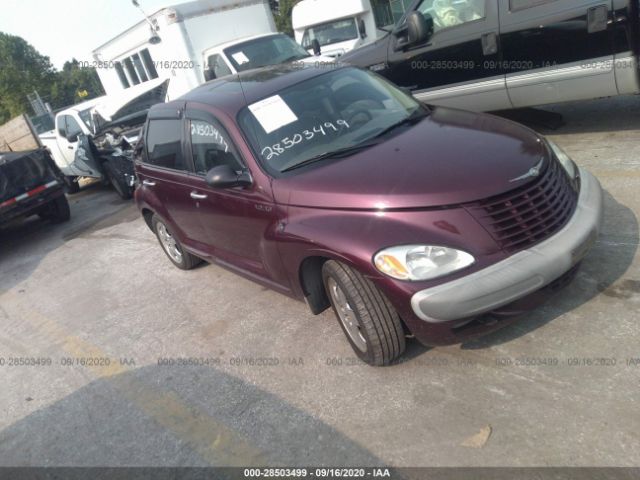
x=172, y=247
x=371, y=324
x=71, y=185
x=56, y=211
x=118, y=182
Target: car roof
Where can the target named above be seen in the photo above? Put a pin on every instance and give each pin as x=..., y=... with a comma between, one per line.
x=233, y=92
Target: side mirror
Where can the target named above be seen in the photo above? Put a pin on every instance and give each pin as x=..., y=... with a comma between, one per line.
x=315, y=44
x=419, y=28
x=209, y=74
x=72, y=138
x=223, y=176
x=362, y=28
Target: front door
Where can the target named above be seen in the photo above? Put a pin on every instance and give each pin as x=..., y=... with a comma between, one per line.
x=240, y=223
x=459, y=65
x=67, y=126
x=557, y=50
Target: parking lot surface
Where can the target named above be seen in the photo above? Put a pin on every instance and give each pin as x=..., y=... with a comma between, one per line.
x=130, y=361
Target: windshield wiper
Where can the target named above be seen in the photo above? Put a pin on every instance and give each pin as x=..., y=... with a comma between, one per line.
x=410, y=120
x=339, y=153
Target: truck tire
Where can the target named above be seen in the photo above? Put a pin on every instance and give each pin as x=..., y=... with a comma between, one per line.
x=172, y=247
x=118, y=182
x=71, y=185
x=56, y=211
x=371, y=324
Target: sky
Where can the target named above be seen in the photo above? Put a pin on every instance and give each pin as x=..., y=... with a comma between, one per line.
x=64, y=29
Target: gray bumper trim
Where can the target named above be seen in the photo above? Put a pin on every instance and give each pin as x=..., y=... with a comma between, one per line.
x=520, y=274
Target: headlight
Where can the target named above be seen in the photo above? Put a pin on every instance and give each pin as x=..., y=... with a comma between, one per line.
x=420, y=262
x=564, y=160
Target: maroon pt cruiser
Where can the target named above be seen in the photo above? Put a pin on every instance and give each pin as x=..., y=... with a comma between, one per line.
x=335, y=186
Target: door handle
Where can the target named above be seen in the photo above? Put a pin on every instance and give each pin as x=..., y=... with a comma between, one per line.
x=597, y=19
x=198, y=196
x=70, y=147
x=489, y=43
x=148, y=183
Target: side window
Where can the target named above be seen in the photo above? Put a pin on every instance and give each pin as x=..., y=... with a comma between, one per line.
x=163, y=144
x=73, y=128
x=61, y=125
x=218, y=65
x=451, y=13
x=211, y=147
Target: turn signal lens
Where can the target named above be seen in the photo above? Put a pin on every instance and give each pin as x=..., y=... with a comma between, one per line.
x=421, y=262
x=391, y=266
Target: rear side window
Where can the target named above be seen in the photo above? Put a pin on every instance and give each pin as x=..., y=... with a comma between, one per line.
x=164, y=148
x=211, y=147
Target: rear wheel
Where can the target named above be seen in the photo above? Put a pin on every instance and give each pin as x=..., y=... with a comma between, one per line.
x=172, y=247
x=118, y=182
x=371, y=324
x=56, y=211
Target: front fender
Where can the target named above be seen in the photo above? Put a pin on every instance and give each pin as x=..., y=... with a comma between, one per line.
x=353, y=237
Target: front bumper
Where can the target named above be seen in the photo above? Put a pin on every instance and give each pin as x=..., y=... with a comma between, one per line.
x=520, y=274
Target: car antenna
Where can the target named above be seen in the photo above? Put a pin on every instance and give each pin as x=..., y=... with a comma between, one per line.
x=246, y=102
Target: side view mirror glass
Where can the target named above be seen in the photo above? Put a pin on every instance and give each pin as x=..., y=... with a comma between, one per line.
x=362, y=28
x=223, y=176
x=209, y=74
x=417, y=29
x=315, y=44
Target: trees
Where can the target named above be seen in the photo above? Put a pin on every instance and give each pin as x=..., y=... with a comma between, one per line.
x=23, y=69
x=70, y=81
x=282, y=15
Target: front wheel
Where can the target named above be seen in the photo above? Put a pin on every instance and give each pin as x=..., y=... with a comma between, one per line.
x=118, y=182
x=71, y=184
x=371, y=324
x=172, y=247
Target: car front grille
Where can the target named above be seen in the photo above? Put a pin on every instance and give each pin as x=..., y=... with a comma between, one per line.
x=531, y=213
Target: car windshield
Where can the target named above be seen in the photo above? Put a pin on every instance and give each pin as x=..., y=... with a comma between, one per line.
x=263, y=51
x=333, y=113
x=330, y=32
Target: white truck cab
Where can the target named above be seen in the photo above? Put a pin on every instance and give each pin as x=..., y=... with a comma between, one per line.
x=342, y=25
x=62, y=140
x=257, y=51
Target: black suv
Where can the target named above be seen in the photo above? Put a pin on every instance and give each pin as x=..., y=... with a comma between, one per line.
x=31, y=184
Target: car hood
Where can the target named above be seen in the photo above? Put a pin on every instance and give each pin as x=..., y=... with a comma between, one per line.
x=448, y=158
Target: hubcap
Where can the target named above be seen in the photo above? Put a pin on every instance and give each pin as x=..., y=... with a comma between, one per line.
x=169, y=243
x=347, y=315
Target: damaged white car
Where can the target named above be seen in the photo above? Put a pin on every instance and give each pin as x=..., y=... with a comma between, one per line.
x=96, y=138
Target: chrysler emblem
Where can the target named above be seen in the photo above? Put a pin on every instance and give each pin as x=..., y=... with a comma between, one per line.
x=533, y=172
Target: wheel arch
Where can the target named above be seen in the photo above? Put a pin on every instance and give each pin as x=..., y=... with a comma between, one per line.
x=310, y=278
x=147, y=214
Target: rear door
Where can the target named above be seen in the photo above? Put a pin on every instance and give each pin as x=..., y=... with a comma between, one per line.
x=459, y=65
x=165, y=174
x=557, y=50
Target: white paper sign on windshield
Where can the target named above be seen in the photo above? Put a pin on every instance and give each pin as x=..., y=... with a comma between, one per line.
x=272, y=113
x=240, y=58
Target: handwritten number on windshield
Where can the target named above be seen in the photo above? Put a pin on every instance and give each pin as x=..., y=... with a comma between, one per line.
x=288, y=142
